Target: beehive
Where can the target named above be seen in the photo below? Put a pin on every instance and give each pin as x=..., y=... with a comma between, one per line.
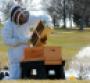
x=50, y=55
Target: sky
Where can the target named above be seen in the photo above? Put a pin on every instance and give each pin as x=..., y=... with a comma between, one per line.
x=37, y=3
x=37, y=6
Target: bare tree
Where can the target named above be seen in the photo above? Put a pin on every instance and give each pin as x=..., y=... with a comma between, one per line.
x=54, y=9
x=69, y=10
x=81, y=11
x=59, y=9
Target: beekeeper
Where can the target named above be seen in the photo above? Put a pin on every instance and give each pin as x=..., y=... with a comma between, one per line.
x=16, y=35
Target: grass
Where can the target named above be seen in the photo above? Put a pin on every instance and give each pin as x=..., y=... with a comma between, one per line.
x=45, y=81
x=70, y=41
x=1, y=25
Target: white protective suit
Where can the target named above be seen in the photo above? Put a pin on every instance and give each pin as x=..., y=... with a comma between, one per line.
x=16, y=37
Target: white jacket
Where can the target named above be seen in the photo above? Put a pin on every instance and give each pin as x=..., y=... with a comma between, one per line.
x=16, y=37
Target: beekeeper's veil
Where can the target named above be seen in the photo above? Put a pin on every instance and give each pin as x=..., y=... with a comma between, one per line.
x=19, y=15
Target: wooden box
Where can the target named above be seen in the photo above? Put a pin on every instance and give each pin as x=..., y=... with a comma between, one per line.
x=50, y=55
x=33, y=54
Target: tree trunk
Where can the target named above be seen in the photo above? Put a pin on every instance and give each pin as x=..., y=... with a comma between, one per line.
x=64, y=15
x=71, y=20
x=54, y=22
x=81, y=24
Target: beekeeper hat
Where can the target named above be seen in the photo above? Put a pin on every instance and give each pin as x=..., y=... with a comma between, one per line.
x=21, y=10
x=14, y=10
